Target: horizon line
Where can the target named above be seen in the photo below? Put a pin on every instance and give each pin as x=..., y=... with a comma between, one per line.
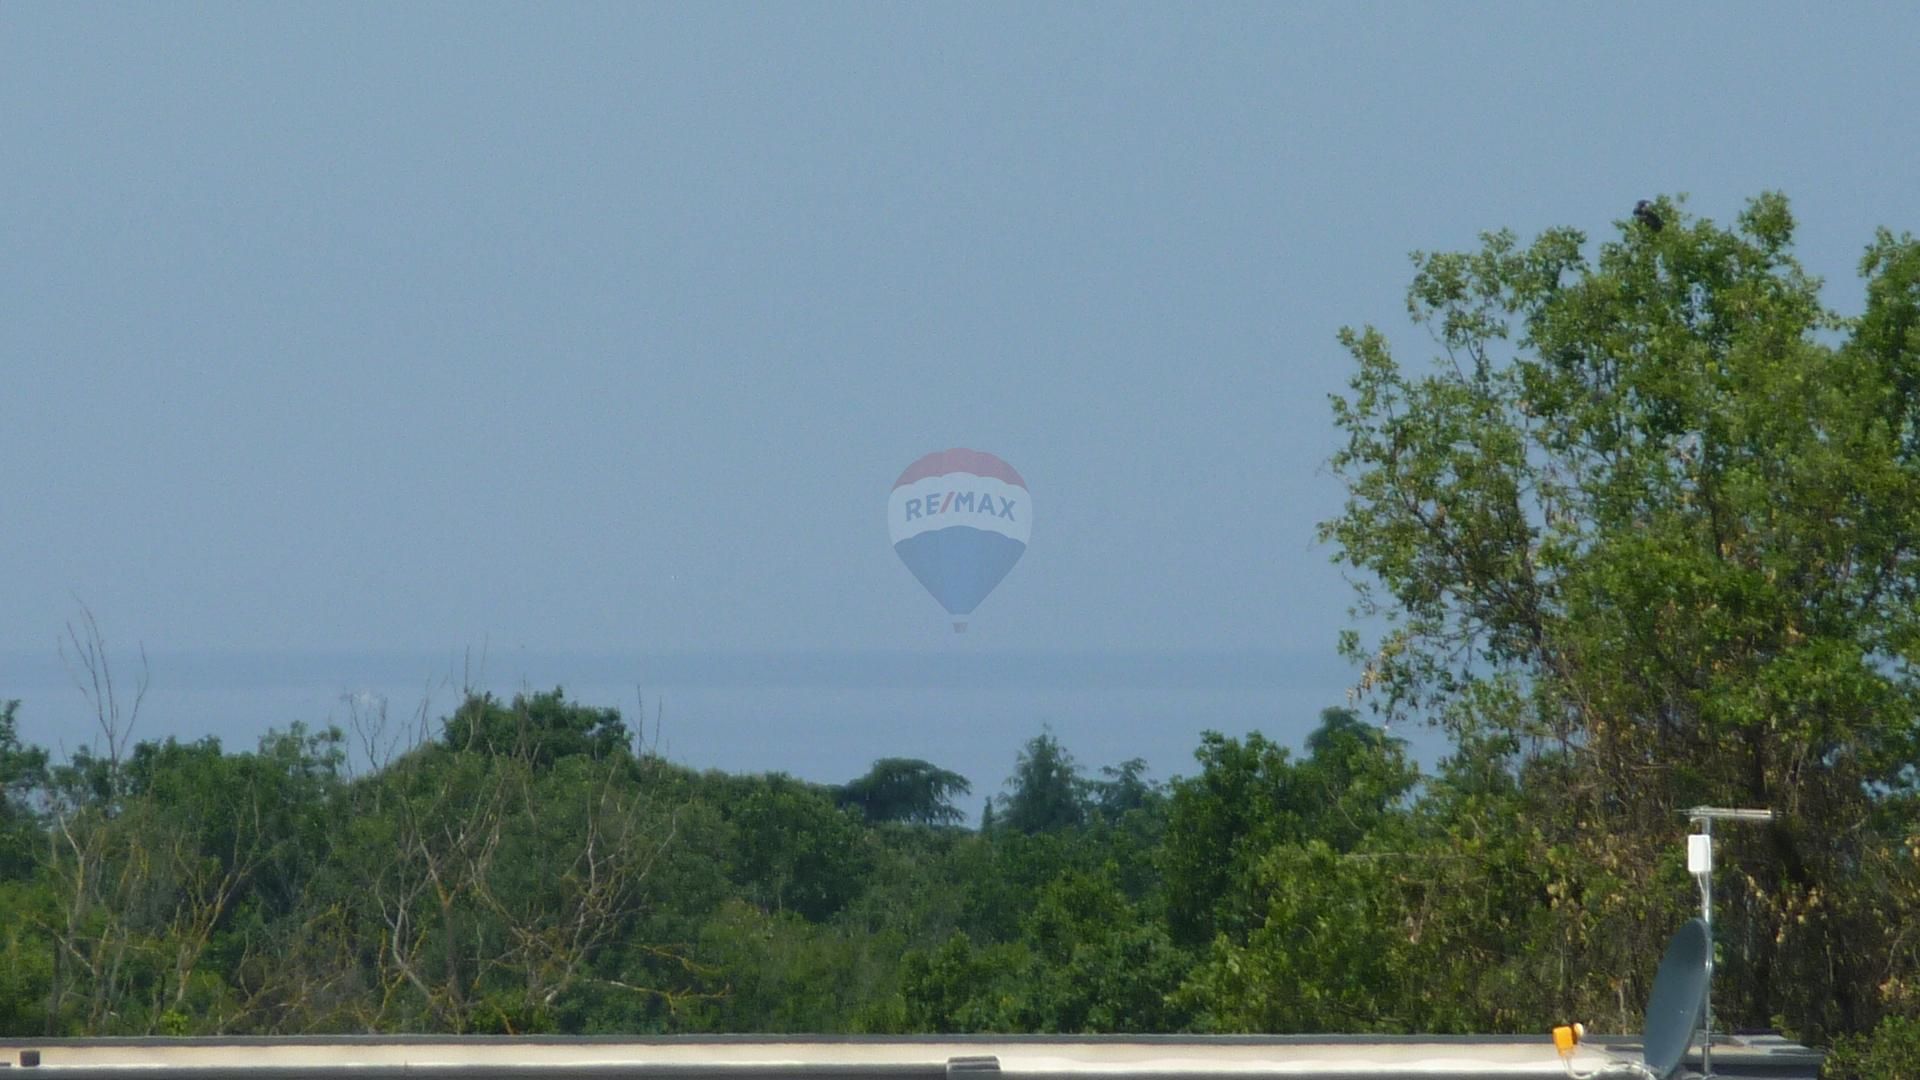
x=720, y=668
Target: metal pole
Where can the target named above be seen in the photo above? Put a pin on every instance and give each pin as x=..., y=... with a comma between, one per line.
x=1706, y=916
x=1704, y=817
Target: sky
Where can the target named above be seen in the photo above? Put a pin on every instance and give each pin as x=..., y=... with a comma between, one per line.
x=358, y=338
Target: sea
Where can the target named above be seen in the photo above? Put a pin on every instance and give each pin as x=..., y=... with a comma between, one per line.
x=819, y=716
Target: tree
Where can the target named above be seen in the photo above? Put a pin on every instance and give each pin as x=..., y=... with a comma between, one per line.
x=23, y=772
x=491, y=877
x=1047, y=791
x=1891, y=1052
x=1251, y=798
x=793, y=848
x=1124, y=789
x=1352, y=779
x=906, y=790
x=26, y=964
x=1243, y=803
x=1655, y=516
x=541, y=727
x=1086, y=961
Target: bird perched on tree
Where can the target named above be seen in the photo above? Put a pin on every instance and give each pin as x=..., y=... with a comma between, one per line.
x=1645, y=214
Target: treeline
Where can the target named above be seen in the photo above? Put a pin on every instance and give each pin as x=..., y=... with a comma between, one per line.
x=532, y=868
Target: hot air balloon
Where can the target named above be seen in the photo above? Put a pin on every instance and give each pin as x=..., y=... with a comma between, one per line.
x=959, y=519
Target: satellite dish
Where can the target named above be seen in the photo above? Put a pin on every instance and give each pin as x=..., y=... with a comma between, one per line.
x=1679, y=997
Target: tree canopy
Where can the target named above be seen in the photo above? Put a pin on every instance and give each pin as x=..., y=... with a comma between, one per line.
x=1653, y=514
x=907, y=790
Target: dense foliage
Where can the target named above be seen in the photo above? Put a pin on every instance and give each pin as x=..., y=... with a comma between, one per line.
x=1650, y=527
x=1646, y=537
x=532, y=868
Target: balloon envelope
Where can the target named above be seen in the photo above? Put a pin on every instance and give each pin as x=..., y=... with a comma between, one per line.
x=959, y=519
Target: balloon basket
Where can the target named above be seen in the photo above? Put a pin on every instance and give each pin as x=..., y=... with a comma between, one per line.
x=959, y=626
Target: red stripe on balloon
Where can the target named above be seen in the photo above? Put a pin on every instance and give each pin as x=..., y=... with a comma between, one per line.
x=977, y=462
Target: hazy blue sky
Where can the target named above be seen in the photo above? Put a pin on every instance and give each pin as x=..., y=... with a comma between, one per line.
x=606, y=329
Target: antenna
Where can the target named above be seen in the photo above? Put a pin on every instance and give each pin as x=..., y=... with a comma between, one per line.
x=1700, y=865
x=1677, y=1005
x=1682, y=998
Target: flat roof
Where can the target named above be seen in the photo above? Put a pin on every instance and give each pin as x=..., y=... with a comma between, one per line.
x=1328, y=1057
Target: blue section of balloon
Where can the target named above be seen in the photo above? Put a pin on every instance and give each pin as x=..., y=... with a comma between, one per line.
x=959, y=564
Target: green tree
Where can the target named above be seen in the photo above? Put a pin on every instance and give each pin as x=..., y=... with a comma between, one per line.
x=906, y=790
x=541, y=728
x=1244, y=802
x=793, y=848
x=1353, y=779
x=1890, y=1052
x=509, y=882
x=1251, y=798
x=1655, y=515
x=1097, y=962
x=1086, y=961
x=1435, y=920
x=26, y=905
x=964, y=988
x=23, y=773
x=1124, y=789
x=1047, y=792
